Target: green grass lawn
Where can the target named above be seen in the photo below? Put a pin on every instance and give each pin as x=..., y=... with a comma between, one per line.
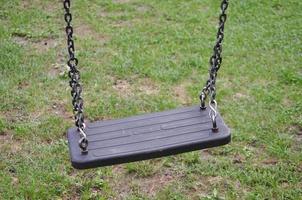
x=139, y=56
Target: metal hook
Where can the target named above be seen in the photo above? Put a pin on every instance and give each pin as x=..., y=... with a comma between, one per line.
x=213, y=114
x=202, y=98
x=83, y=142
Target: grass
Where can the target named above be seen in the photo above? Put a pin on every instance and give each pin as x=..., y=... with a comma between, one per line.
x=140, y=56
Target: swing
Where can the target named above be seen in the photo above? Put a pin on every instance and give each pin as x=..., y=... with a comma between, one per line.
x=147, y=136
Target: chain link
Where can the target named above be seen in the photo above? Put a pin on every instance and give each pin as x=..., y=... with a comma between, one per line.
x=74, y=75
x=215, y=63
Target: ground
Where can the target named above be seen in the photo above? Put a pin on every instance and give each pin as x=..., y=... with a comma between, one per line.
x=139, y=56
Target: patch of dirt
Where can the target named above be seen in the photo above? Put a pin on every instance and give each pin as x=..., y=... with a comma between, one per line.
x=15, y=181
x=148, y=87
x=50, y=7
x=58, y=69
x=74, y=193
x=238, y=159
x=147, y=185
x=5, y=137
x=199, y=189
x=39, y=45
x=84, y=30
x=203, y=187
x=23, y=85
x=287, y=102
x=123, y=87
x=122, y=23
x=215, y=180
x=60, y=110
x=152, y=185
x=126, y=88
x=240, y=96
x=121, y=1
x=181, y=94
x=112, y=16
x=204, y=8
x=45, y=6
x=121, y=182
x=205, y=155
x=299, y=167
x=118, y=169
x=25, y=4
x=102, y=13
x=45, y=44
x=20, y=39
x=9, y=143
x=296, y=131
x=270, y=161
x=239, y=187
x=16, y=115
x=143, y=8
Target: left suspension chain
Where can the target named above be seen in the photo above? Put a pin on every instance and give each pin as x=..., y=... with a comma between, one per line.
x=74, y=75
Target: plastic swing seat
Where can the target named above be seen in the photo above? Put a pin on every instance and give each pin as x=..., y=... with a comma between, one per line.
x=146, y=136
x=150, y=135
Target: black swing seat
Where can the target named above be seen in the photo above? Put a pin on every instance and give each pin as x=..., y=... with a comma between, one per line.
x=146, y=136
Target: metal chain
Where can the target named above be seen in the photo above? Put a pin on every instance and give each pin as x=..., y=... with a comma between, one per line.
x=215, y=63
x=74, y=75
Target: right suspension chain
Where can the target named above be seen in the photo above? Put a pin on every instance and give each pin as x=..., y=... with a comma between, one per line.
x=215, y=63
